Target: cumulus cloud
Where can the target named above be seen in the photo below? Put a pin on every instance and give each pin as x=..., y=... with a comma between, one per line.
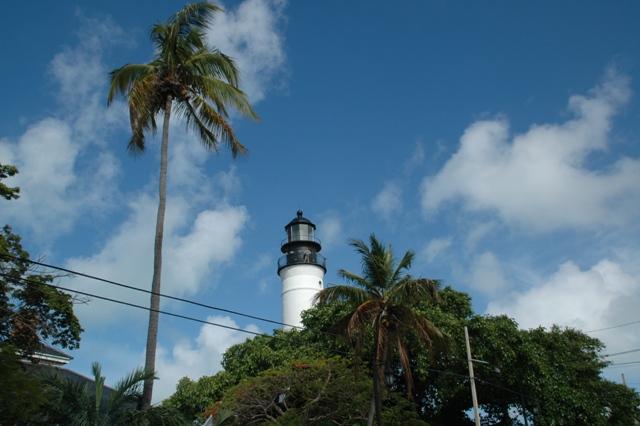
x=486, y=273
x=252, y=35
x=62, y=176
x=196, y=254
x=477, y=233
x=435, y=247
x=541, y=179
x=45, y=155
x=416, y=159
x=388, y=201
x=330, y=230
x=602, y=295
x=185, y=357
x=198, y=358
x=54, y=192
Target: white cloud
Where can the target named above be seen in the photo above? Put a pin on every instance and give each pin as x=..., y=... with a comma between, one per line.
x=213, y=240
x=477, y=233
x=199, y=358
x=63, y=177
x=186, y=357
x=540, y=179
x=388, y=201
x=252, y=35
x=330, y=230
x=603, y=295
x=435, y=247
x=193, y=256
x=486, y=273
x=416, y=159
x=45, y=156
x=81, y=76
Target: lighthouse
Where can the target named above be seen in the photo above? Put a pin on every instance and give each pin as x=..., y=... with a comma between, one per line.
x=301, y=269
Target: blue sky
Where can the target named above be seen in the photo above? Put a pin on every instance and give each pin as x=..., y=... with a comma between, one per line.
x=498, y=141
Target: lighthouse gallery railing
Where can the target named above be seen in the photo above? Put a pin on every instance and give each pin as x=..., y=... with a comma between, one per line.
x=298, y=258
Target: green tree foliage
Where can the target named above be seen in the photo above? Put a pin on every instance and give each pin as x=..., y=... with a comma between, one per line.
x=21, y=394
x=31, y=311
x=197, y=398
x=74, y=403
x=199, y=84
x=259, y=354
x=554, y=374
x=7, y=192
x=314, y=392
x=383, y=299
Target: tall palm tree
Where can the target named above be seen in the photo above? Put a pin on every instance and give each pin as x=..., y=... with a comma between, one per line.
x=383, y=299
x=199, y=84
x=77, y=403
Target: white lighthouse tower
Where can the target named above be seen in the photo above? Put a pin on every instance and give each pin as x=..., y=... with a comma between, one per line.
x=301, y=269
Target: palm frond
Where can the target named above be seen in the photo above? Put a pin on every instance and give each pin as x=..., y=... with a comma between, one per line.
x=159, y=35
x=193, y=120
x=123, y=78
x=224, y=93
x=356, y=279
x=403, y=265
x=195, y=15
x=214, y=63
x=159, y=415
x=362, y=316
x=411, y=291
x=425, y=330
x=379, y=265
x=403, y=354
x=128, y=389
x=98, y=381
x=73, y=398
x=217, y=125
x=361, y=247
x=341, y=293
x=144, y=104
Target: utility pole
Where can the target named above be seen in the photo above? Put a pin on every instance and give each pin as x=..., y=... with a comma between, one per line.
x=624, y=381
x=474, y=397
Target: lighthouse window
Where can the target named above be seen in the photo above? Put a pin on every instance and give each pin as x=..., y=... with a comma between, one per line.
x=301, y=232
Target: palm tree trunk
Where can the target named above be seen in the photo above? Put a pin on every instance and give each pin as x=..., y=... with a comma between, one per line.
x=152, y=333
x=372, y=410
x=378, y=372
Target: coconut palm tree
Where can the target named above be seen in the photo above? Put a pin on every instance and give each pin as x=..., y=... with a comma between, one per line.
x=199, y=84
x=77, y=403
x=382, y=299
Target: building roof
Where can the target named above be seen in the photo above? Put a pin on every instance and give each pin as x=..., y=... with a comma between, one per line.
x=49, y=350
x=299, y=219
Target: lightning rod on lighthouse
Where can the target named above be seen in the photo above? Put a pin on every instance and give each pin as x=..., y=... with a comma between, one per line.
x=301, y=269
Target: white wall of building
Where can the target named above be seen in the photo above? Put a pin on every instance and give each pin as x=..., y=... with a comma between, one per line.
x=300, y=283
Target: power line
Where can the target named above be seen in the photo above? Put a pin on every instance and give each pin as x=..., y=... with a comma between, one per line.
x=613, y=326
x=233, y=312
x=207, y=306
x=134, y=305
x=198, y=320
x=621, y=353
x=167, y=296
x=619, y=364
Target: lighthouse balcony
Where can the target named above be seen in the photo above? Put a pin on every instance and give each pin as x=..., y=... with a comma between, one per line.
x=301, y=258
x=300, y=239
x=294, y=243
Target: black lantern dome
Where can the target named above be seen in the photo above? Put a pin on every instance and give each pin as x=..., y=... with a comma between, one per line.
x=300, y=233
x=301, y=245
